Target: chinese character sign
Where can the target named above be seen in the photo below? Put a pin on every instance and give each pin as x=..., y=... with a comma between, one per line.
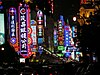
x=12, y=25
x=24, y=30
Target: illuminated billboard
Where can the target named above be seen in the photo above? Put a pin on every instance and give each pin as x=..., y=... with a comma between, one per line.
x=40, y=31
x=13, y=31
x=67, y=36
x=60, y=34
x=55, y=37
x=40, y=17
x=40, y=40
x=12, y=25
x=2, y=30
x=24, y=30
x=34, y=35
x=74, y=31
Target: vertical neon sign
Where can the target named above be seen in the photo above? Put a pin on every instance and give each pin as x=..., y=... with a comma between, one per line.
x=13, y=28
x=13, y=31
x=55, y=37
x=67, y=37
x=25, y=30
x=12, y=24
x=40, y=30
x=74, y=31
x=40, y=26
x=34, y=36
x=60, y=36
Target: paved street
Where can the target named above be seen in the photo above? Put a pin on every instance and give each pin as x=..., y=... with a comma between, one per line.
x=50, y=69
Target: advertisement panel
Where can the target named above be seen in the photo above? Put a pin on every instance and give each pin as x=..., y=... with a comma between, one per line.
x=55, y=37
x=40, y=31
x=24, y=30
x=60, y=34
x=13, y=31
x=74, y=31
x=40, y=40
x=12, y=25
x=2, y=30
x=40, y=17
x=33, y=35
x=67, y=37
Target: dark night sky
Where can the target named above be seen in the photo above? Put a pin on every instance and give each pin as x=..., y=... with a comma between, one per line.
x=65, y=8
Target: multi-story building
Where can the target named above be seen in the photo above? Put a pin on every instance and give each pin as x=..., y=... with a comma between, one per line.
x=87, y=8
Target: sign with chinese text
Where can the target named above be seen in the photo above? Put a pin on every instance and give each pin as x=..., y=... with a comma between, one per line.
x=25, y=30
x=12, y=25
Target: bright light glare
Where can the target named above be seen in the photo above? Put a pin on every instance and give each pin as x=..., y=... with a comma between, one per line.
x=21, y=74
x=2, y=48
x=74, y=18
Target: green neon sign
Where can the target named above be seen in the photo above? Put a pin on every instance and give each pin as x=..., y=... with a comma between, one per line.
x=61, y=48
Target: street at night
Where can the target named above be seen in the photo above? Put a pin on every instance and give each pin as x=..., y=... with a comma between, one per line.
x=49, y=37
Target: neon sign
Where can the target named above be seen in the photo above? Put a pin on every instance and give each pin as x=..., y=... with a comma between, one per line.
x=12, y=24
x=25, y=30
x=66, y=33
x=55, y=37
x=34, y=36
x=60, y=34
x=1, y=6
x=40, y=17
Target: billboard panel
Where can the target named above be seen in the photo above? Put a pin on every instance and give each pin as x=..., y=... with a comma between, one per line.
x=40, y=40
x=24, y=30
x=12, y=25
x=34, y=35
x=2, y=30
x=55, y=37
